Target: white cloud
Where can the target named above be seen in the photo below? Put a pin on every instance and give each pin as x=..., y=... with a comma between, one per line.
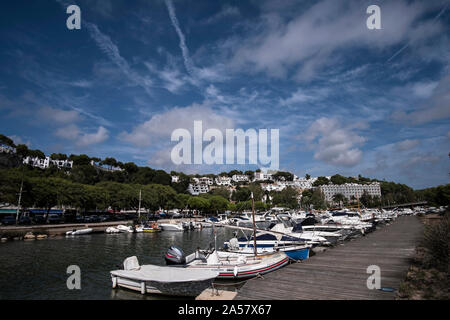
x=161, y=125
x=105, y=44
x=18, y=140
x=59, y=116
x=80, y=139
x=333, y=143
x=436, y=107
x=69, y=132
x=406, y=144
x=184, y=49
x=281, y=46
x=226, y=12
x=87, y=139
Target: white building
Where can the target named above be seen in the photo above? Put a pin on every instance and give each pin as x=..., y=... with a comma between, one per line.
x=112, y=169
x=45, y=163
x=261, y=176
x=223, y=181
x=304, y=183
x=196, y=189
x=7, y=149
x=239, y=177
x=272, y=187
x=350, y=189
x=206, y=180
x=175, y=179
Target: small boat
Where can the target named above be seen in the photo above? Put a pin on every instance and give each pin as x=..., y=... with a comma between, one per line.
x=173, y=281
x=171, y=226
x=112, y=230
x=79, y=232
x=293, y=251
x=123, y=228
x=230, y=265
x=153, y=228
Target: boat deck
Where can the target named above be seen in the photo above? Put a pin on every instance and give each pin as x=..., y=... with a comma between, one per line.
x=340, y=273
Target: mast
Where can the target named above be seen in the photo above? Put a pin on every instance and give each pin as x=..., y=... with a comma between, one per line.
x=18, y=204
x=140, y=198
x=254, y=225
x=359, y=209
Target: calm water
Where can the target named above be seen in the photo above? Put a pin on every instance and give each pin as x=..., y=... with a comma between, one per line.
x=37, y=269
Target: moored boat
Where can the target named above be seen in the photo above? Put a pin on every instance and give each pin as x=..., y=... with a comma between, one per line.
x=76, y=232
x=165, y=280
x=171, y=226
x=230, y=265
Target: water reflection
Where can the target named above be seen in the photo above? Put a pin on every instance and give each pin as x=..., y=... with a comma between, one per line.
x=37, y=269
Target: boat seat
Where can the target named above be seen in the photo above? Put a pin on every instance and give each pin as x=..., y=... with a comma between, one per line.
x=131, y=263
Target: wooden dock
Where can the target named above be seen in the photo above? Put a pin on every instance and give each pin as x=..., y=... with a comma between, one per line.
x=340, y=273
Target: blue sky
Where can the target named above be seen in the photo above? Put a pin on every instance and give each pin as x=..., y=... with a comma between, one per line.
x=346, y=99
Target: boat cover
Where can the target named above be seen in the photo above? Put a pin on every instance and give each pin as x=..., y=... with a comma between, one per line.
x=166, y=274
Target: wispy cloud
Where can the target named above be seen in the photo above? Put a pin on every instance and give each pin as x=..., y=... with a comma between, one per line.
x=105, y=44
x=184, y=49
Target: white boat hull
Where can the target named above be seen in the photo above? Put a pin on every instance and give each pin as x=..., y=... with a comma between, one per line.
x=171, y=227
x=79, y=232
x=173, y=281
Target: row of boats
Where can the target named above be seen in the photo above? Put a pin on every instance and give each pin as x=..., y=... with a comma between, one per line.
x=278, y=238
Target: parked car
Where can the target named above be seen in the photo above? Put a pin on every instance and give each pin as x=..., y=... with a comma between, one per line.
x=8, y=220
x=91, y=219
x=38, y=219
x=79, y=219
x=153, y=216
x=54, y=219
x=104, y=218
x=130, y=216
x=24, y=220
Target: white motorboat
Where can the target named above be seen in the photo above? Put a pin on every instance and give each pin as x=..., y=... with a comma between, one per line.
x=112, y=230
x=246, y=220
x=79, y=232
x=174, y=281
x=289, y=227
x=230, y=265
x=172, y=226
x=123, y=228
x=294, y=251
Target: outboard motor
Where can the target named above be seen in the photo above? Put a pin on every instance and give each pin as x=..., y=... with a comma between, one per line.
x=175, y=256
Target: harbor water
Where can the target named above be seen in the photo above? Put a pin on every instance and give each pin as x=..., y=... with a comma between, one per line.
x=37, y=269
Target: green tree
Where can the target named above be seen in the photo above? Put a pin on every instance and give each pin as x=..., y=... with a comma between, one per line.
x=218, y=204
x=339, y=198
x=318, y=199
x=199, y=203
x=286, y=198
x=6, y=141
x=22, y=150
x=221, y=191
x=241, y=194
x=321, y=181
x=80, y=160
x=338, y=179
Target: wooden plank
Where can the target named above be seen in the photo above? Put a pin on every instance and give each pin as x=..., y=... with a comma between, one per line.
x=340, y=272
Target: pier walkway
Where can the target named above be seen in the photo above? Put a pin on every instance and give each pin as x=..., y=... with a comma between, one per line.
x=340, y=273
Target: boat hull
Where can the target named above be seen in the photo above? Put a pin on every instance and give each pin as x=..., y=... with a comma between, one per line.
x=245, y=273
x=178, y=289
x=170, y=227
x=301, y=254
